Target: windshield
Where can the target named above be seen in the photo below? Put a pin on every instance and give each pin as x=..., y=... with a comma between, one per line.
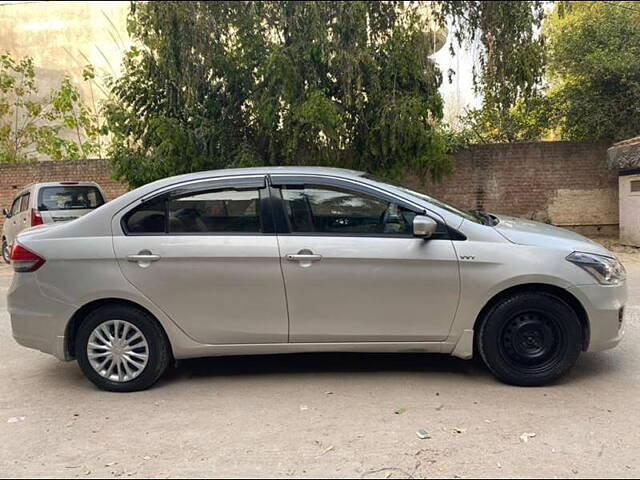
x=79, y=197
x=466, y=215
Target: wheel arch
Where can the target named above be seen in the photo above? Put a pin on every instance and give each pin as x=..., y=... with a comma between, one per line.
x=81, y=314
x=555, y=290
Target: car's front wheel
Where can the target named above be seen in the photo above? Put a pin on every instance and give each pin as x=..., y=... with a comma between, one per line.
x=530, y=339
x=121, y=348
x=6, y=251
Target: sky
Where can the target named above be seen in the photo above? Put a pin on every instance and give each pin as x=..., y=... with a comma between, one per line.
x=458, y=95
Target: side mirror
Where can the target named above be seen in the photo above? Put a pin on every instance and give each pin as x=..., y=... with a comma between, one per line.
x=5, y=212
x=424, y=226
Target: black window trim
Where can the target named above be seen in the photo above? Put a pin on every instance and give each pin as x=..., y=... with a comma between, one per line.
x=282, y=222
x=201, y=187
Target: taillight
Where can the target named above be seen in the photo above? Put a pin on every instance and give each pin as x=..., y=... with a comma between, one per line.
x=23, y=260
x=36, y=218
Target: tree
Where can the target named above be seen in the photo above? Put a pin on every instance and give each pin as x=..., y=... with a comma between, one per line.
x=510, y=63
x=31, y=125
x=594, y=70
x=225, y=84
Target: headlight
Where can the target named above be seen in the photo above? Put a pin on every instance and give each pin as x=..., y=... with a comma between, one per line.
x=607, y=270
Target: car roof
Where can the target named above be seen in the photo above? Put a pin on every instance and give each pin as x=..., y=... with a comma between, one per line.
x=276, y=170
x=235, y=172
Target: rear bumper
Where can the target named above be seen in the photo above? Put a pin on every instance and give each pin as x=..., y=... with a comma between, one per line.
x=37, y=321
x=605, y=310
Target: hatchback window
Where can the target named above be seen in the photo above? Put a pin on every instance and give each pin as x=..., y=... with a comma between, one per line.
x=322, y=209
x=69, y=198
x=24, y=203
x=15, y=208
x=220, y=211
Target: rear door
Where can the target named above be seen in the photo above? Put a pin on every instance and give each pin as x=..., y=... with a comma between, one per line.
x=207, y=255
x=62, y=203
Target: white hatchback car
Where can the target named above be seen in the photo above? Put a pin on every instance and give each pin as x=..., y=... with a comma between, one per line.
x=280, y=260
x=44, y=203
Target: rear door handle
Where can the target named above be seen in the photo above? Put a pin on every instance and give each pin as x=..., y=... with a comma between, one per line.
x=143, y=258
x=304, y=257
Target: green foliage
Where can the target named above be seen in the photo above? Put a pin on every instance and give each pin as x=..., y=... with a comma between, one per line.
x=527, y=120
x=594, y=70
x=510, y=63
x=30, y=125
x=225, y=84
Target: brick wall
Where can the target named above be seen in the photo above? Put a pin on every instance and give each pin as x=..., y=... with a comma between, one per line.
x=564, y=183
x=13, y=177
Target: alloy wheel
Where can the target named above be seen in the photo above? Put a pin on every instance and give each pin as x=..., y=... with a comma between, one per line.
x=118, y=351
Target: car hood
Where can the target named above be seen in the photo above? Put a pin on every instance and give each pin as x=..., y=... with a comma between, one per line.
x=528, y=232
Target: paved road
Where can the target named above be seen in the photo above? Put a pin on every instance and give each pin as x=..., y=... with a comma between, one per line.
x=322, y=416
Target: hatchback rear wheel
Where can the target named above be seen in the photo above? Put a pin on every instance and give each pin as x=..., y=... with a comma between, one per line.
x=122, y=349
x=530, y=339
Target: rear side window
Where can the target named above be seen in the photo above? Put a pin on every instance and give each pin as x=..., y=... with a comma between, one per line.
x=75, y=197
x=220, y=211
x=24, y=203
x=147, y=218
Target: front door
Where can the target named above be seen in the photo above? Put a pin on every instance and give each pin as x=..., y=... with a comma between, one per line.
x=209, y=259
x=354, y=272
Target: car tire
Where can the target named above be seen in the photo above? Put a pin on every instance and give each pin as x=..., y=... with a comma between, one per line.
x=530, y=339
x=107, y=330
x=6, y=254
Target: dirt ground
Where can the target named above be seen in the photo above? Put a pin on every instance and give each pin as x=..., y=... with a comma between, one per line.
x=323, y=416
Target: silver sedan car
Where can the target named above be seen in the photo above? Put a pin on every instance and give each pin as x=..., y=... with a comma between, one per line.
x=282, y=260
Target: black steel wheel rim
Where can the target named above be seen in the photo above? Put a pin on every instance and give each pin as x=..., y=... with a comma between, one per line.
x=532, y=341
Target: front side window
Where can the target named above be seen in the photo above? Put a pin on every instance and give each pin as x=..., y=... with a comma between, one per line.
x=69, y=198
x=329, y=210
x=427, y=198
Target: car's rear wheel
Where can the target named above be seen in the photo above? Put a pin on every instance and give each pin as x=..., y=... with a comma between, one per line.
x=530, y=339
x=121, y=349
x=6, y=251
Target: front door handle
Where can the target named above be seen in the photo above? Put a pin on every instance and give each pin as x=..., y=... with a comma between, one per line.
x=304, y=257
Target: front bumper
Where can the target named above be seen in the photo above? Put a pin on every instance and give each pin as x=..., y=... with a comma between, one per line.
x=604, y=306
x=37, y=321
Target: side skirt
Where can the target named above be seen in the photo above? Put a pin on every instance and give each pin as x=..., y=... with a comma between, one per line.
x=277, y=348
